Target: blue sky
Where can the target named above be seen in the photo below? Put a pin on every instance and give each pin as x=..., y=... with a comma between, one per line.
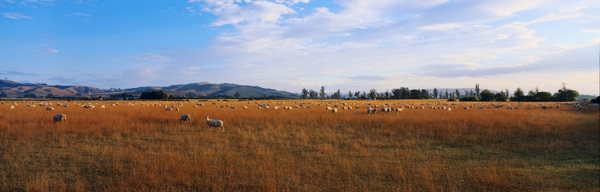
x=291, y=44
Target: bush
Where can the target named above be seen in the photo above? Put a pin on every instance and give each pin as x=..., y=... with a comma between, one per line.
x=596, y=100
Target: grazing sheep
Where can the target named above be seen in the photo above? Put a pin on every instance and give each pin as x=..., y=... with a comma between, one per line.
x=102, y=107
x=448, y=109
x=12, y=107
x=244, y=107
x=60, y=118
x=214, y=123
x=232, y=107
x=177, y=109
x=371, y=110
x=186, y=118
x=399, y=109
x=168, y=109
x=48, y=108
x=544, y=107
x=334, y=110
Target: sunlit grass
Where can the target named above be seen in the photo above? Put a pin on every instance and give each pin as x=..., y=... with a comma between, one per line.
x=140, y=148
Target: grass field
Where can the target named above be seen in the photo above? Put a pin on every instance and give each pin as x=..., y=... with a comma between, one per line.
x=145, y=148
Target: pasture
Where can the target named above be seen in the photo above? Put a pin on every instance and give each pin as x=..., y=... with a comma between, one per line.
x=143, y=147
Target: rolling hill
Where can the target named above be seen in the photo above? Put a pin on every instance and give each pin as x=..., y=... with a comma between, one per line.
x=206, y=90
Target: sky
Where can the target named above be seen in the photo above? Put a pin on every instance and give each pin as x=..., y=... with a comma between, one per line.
x=288, y=45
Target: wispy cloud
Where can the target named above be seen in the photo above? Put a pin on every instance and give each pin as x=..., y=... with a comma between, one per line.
x=368, y=78
x=16, y=16
x=152, y=57
x=78, y=14
x=17, y=73
x=50, y=51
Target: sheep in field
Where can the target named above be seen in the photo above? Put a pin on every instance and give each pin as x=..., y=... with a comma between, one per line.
x=214, y=123
x=186, y=118
x=168, y=109
x=334, y=110
x=48, y=108
x=12, y=107
x=448, y=109
x=60, y=118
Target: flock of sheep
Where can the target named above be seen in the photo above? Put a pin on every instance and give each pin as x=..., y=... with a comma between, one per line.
x=371, y=107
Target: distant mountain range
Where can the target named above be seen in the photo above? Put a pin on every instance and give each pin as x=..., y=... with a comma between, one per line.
x=14, y=89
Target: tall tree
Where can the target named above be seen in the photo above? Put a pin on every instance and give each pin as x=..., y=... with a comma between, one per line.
x=349, y=94
x=518, y=93
x=304, y=93
x=357, y=94
x=313, y=94
x=435, y=93
x=446, y=94
x=486, y=95
x=237, y=94
x=373, y=94
x=477, y=90
x=457, y=93
x=322, y=92
x=338, y=94
x=387, y=94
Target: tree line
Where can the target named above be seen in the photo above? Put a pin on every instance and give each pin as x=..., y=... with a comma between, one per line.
x=477, y=94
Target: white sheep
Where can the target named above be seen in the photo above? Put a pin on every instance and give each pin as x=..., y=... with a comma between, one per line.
x=186, y=118
x=48, y=108
x=214, y=123
x=12, y=107
x=177, y=109
x=448, y=109
x=60, y=118
x=334, y=110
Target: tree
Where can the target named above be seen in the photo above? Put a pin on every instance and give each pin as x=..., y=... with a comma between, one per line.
x=357, y=94
x=304, y=93
x=477, y=91
x=415, y=94
x=3, y=95
x=542, y=96
x=424, y=94
x=322, y=93
x=596, y=100
x=363, y=95
x=313, y=94
x=565, y=94
x=154, y=94
x=237, y=94
x=373, y=94
x=30, y=95
x=486, y=95
x=457, y=93
x=518, y=93
x=435, y=93
x=349, y=94
x=500, y=97
x=387, y=94
x=49, y=95
x=124, y=96
x=446, y=94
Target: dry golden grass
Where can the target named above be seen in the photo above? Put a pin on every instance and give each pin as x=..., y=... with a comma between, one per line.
x=144, y=148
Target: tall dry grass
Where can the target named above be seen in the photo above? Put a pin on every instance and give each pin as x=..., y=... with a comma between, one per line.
x=142, y=148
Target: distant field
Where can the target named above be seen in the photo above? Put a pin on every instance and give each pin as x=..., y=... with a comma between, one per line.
x=145, y=148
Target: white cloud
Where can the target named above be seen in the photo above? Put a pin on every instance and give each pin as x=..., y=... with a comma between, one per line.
x=78, y=14
x=441, y=27
x=16, y=16
x=50, y=51
x=152, y=57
